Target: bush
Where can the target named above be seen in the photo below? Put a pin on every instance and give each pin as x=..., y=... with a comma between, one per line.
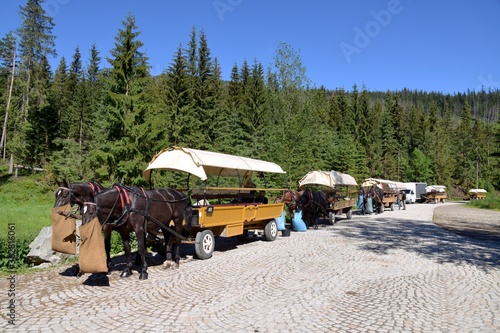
x=491, y=201
x=13, y=258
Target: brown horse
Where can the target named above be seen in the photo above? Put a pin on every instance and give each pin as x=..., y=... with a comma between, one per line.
x=377, y=195
x=290, y=199
x=132, y=209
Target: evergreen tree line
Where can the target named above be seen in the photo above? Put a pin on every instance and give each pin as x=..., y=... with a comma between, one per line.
x=91, y=121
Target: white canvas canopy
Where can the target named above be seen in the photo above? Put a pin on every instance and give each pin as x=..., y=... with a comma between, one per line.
x=203, y=163
x=435, y=188
x=327, y=178
x=384, y=184
x=477, y=190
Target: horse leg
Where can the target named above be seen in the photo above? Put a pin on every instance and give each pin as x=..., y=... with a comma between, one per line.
x=126, y=246
x=178, y=229
x=107, y=245
x=141, y=245
x=168, y=244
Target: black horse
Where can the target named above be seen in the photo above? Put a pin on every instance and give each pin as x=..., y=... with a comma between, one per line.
x=133, y=209
x=312, y=204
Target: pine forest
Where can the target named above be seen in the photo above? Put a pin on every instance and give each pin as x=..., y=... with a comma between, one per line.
x=107, y=118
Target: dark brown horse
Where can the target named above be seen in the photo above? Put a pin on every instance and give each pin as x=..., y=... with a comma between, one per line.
x=313, y=204
x=132, y=209
x=290, y=199
x=377, y=195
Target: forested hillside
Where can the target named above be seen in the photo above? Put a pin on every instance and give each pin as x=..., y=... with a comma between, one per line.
x=105, y=119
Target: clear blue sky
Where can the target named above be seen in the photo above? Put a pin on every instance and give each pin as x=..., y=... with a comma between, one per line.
x=448, y=46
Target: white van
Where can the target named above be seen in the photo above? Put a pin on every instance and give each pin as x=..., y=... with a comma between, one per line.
x=413, y=192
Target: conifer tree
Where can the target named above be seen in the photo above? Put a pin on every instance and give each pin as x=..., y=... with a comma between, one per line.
x=126, y=105
x=36, y=43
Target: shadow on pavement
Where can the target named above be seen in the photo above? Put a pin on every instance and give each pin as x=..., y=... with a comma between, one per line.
x=384, y=234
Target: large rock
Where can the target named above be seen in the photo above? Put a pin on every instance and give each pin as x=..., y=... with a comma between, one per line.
x=41, y=249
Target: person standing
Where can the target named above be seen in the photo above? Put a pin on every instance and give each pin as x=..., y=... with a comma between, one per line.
x=403, y=199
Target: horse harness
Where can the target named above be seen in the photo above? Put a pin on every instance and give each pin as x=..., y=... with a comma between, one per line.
x=124, y=198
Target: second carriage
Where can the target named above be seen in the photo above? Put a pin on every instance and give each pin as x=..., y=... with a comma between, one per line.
x=340, y=188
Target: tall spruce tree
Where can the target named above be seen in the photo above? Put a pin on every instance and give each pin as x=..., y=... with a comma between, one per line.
x=36, y=43
x=126, y=105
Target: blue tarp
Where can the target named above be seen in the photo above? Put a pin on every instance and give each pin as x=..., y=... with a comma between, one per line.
x=297, y=222
x=360, y=202
x=369, y=206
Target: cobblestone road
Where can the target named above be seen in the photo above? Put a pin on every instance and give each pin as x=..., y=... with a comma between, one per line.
x=394, y=272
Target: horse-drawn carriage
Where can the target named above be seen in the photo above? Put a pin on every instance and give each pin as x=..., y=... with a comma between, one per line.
x=390, y=189
x=340, y=189
x=477, y=194
x=224, y=192
x=434, y=194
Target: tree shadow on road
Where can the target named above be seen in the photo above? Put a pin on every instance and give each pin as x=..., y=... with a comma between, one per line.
x=384, y=234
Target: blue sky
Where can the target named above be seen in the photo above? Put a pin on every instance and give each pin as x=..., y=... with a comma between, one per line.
x=447, y=46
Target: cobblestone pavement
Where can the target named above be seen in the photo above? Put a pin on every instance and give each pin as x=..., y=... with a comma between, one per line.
x=394, y=272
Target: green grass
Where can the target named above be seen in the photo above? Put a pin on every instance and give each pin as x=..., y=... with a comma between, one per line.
x=26, y=202
x=492, y=202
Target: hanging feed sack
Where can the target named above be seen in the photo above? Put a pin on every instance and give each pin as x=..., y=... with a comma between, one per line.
x=92, y=252
x=63, y=230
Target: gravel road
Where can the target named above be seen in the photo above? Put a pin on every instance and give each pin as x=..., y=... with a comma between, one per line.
x=393, y=272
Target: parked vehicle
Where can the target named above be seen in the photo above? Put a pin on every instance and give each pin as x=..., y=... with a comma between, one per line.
x=477, y=194
x=435, y=194
x=414, y=192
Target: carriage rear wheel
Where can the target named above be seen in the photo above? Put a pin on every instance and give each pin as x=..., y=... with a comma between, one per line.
x=271, y=230
x=348, y=214
x=392, y=206
x=205, y=244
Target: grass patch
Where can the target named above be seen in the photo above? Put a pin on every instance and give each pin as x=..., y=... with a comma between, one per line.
x=491, y=201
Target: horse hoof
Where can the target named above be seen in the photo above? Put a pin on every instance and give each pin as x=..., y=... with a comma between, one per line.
x=143, y=276
x=176, y=265
x=167, y=264
x=125, y=274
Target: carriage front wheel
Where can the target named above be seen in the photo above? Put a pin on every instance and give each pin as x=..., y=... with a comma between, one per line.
x=205, y=244
x=348, y=214
x=271, y=230
x=331, y=217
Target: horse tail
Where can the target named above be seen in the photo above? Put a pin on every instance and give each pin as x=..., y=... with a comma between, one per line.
x=188, y=211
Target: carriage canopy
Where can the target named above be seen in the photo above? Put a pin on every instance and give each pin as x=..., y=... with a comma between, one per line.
x=384, y=184
x=477, y=190
x=203, y=163
x=327, y=178
x=435, y=188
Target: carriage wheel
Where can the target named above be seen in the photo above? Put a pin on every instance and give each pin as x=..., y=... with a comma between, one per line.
x=331, y=217
x=392, y=206
x=435, y=200
x=271, y=230
x=348, y=214
x=442, y=200
x=205, y=244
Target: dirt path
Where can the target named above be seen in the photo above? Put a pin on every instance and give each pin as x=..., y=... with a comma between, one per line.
x=470, y=222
